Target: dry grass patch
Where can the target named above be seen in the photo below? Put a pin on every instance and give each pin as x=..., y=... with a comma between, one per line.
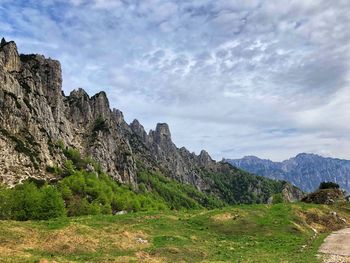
x=71, y=240
x=44, y=260
x=227, y=216
x=139, y=256
x=321, y=220
x=126, y=240
x=146, y=257
x=19, y=239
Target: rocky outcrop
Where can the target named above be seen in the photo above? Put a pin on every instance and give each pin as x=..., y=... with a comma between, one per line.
x=35, y=114
x=9, y=58
x=290, y=193
x=325, y=196
x=306, y=171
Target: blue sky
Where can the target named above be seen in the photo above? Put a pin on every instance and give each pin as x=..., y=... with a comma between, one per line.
x=265, y=78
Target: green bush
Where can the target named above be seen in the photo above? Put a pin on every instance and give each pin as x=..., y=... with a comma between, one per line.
x=90, y=193
x=52, y=204
x=277, y=198
x=5, y=203
x=328, y=185
x=28, y=201
x=99, y=125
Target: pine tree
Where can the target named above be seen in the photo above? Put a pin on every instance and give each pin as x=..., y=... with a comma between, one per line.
x=3, y=42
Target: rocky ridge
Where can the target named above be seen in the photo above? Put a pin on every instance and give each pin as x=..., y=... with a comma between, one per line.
x=35, y=114
x=306, y=171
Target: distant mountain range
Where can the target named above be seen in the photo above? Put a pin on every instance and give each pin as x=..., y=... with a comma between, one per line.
x=305, y=171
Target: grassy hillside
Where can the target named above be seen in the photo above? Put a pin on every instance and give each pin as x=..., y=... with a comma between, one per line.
x=248, y=233
x=84, y=189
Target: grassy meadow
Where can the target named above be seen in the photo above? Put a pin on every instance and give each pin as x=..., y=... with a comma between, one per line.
x=246, y=233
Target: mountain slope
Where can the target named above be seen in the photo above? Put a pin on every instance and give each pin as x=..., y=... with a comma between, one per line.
x=35, y=116
x=306, y=171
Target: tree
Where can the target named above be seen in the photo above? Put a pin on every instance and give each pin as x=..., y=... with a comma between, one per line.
x=26, y=201
x=5, y=203
x=328, y=185
x=52, y=204
x=3, y=42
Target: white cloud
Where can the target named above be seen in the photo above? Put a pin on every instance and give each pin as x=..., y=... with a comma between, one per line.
x=235, y=77
x=107, y=4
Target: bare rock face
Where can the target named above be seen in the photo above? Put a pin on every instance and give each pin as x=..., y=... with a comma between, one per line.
x=205, y=159
x=291, y=193
x=139, y=130
x=35, y=115
x=9, y=57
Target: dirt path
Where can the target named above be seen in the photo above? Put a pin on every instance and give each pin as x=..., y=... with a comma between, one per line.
x=336, y=247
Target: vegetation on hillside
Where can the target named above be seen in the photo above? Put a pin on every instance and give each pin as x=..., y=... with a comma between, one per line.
x=244, y=188
x=27, y=201
x=86, y=190
x=175, y=194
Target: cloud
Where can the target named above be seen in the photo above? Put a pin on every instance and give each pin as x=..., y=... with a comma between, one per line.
x=233, y=77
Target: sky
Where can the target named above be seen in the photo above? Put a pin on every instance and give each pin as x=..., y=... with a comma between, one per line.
x=234, y=77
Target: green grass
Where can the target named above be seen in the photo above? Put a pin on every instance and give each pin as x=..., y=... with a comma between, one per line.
x=247, y=233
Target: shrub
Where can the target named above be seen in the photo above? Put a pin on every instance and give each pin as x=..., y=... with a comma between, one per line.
x=26, y=201
x=99, y=125
x=30, y=202
x=52, y=204
x=78, y=206
x=328, y=185
x=60, y=145
x=86, y=193
x=277, y=198
x=5, y=203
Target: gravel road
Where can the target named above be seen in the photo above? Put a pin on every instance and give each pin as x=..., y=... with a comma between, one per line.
x=336, y=247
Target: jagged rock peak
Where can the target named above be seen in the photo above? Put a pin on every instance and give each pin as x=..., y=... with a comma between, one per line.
x=79, y=93
x=100, y=94
x=163, y=131
x=307, y=156
x=183, y=149
x=101, y=97
x=118, y=115
x=100, y=104
x=9, y=56
x=136, y=126
x=138, y=129
x=205, y=158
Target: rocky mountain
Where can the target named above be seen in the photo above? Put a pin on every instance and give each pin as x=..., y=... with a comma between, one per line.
x=35, y=115
x=306, y=171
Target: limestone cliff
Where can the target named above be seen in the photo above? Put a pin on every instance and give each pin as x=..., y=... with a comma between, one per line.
x=35, y=114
